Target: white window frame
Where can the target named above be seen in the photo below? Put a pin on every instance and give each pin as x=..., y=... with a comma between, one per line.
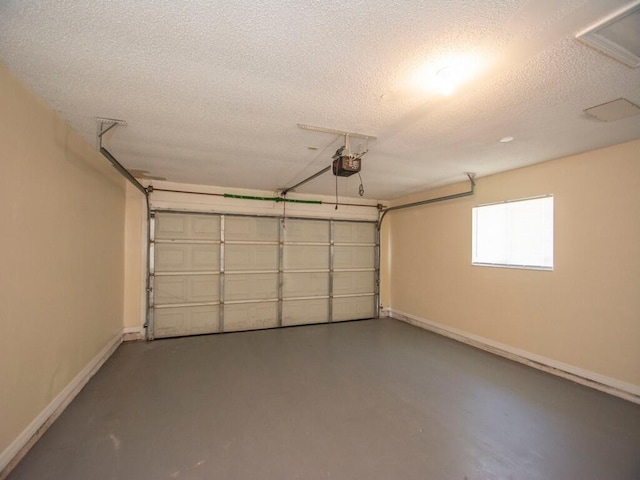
x=504, y=232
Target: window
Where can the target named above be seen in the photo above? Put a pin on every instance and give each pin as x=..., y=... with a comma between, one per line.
x=516, y=234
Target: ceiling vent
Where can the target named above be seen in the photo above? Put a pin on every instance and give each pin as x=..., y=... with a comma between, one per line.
x=615, y=110
x=617, y=35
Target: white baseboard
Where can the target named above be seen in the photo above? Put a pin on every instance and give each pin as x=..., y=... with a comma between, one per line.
x=10, y=457
x=132, y=334
x=600, y=382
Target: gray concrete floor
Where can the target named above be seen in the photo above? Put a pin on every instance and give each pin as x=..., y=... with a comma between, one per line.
x=375, y=399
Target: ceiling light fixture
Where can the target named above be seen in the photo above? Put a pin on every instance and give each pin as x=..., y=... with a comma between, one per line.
x=506, y=139
x=448, y=74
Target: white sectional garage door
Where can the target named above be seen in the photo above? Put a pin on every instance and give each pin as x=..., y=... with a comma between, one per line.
x=224, y=273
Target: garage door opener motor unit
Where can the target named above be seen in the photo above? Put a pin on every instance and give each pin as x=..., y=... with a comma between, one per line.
x=346, y=165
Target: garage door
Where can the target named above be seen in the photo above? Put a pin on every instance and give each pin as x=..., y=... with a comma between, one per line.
x=224, y=273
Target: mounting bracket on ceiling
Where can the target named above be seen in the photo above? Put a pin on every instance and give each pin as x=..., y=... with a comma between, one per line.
x=106, y=124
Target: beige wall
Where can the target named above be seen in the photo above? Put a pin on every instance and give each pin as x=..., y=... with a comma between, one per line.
x=61, y=255
x=586, y=313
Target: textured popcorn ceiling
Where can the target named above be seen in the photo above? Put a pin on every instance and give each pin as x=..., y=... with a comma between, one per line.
x=212, y=90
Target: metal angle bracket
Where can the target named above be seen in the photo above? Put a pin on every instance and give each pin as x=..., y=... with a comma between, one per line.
x=106, y=124
x=333, y=131
x=472, y=177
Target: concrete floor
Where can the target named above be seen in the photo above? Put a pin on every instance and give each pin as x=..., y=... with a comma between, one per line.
x=375, y=399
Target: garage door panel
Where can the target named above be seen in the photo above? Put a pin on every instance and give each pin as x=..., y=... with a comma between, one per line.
x=302, y=312
x=306, y=257
x=173, y=257
x=175, y=321
x=263, y=286
x=348, y=256
x=354, y=232
x=176, y=257
x=251, y=229
x=348, y=283
x=353, y=308
x=186, y=289
x=188, y=273
x=250, y=316
x=251, y=257
x=187, y=227
x=305, y=284
x=312, y=231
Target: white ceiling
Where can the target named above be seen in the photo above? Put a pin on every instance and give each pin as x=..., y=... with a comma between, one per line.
x=213, y=90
